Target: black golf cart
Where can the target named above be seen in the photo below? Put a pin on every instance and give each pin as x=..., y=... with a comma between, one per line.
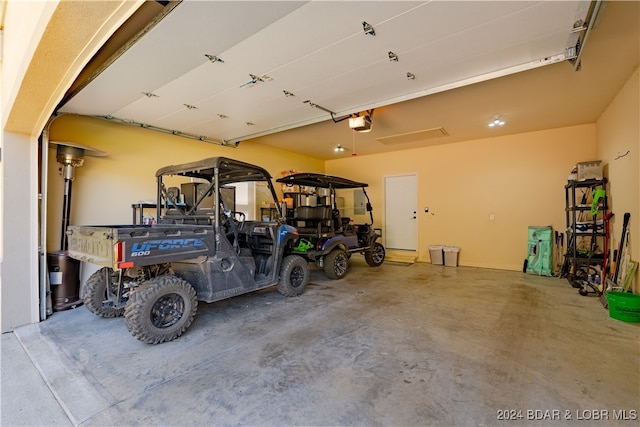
x=334, y=218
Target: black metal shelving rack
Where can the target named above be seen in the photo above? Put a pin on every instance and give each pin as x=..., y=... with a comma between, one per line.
x=584, y=229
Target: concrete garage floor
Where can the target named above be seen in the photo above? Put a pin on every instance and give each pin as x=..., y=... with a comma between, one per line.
x=396, y=345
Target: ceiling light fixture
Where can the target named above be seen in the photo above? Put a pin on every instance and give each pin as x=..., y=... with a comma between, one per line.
x=150, y=95
x=411, y=76
x=338, y=148
x=393, y=57
x=287, y=93
x=497, y=121
x=190, y=107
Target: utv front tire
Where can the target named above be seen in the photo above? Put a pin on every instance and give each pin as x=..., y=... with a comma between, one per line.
x=336, y=264
x=375, y=256
x=95, y=292
x=161, y=309
x=294, y=276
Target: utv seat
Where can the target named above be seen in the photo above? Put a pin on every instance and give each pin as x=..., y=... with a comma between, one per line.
x=199, y=217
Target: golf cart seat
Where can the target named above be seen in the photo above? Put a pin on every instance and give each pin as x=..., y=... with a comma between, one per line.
x=312, y=219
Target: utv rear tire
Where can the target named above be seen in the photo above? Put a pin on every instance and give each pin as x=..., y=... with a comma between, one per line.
x=294, y=276
x=95, y=292
x=336, y=264
x=375, y=256
x=161, y=309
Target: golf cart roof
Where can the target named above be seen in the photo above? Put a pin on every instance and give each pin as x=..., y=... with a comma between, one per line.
x=229, y=170
x=320, y=180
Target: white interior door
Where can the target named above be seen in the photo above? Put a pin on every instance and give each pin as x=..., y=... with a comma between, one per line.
x=401, y=212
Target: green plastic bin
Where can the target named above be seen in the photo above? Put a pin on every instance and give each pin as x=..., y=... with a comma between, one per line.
x=624, y=306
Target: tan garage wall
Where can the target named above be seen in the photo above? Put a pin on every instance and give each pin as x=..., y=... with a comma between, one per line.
x=105, y=187
x=518, y=178
x=618, y=134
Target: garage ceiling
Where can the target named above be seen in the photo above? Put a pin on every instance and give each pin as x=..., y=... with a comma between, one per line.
x=240, y=70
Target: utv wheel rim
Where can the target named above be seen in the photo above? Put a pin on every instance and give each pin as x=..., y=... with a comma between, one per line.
x=297, y=277
x=167, y=311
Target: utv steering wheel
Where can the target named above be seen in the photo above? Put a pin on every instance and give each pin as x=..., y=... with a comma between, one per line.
x=234, y=224
x=237, y=218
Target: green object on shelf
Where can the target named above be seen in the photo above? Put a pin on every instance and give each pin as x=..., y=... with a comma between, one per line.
x=624, y=306
x=303, y=246
x=597, y=195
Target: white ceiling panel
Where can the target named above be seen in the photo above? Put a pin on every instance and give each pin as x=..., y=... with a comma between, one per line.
x=319, y=51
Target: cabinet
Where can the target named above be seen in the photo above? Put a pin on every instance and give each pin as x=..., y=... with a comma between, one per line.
x=586, y=207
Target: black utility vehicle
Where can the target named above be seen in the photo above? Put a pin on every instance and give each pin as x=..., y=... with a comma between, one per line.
x=205, y=246
x=324, y=209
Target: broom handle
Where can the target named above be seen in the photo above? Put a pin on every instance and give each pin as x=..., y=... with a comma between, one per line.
x=625, y=223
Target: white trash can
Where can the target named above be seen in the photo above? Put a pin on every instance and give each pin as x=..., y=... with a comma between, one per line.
x=435, y=252
x=451, y=255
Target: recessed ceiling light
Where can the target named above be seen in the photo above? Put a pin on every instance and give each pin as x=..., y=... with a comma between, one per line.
x=497, y=121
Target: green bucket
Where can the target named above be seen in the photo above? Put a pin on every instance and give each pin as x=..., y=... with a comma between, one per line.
x=624, y=306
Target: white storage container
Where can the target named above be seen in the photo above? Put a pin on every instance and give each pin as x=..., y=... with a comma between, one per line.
x=451, y=255
x=589, y=170
x=435, y=252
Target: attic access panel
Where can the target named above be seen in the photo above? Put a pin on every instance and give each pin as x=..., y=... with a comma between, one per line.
x=275, y=55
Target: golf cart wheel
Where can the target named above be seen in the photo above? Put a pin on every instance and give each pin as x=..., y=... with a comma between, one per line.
x=95, y=292
x=161, y=309
x=294, y=276
x=375, y=256
x=336, y=263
